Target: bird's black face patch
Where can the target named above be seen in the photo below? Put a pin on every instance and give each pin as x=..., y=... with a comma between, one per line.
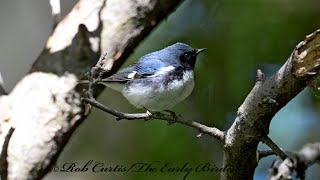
x=189, y=58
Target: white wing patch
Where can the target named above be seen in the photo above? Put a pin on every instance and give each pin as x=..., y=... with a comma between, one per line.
x=132, y=75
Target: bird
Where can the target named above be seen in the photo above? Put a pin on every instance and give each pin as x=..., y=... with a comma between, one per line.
x=159, y=80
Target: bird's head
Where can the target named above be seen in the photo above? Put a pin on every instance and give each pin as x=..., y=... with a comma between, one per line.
x=185, y=54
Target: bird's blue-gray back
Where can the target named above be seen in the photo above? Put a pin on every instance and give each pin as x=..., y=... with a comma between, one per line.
x=151, y=63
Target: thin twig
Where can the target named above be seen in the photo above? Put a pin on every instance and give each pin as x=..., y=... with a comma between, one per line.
x=56, y=12
x=265, y=153
x=4, y=154
x=157, y=115
x=2, y=90
x=296, y=162
x=260, y=76
x=274, y=147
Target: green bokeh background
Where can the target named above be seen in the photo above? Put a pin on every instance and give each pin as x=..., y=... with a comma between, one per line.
x=241, y=36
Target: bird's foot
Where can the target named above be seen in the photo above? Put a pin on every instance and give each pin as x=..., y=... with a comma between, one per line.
x=174, y=117
x=172, y=114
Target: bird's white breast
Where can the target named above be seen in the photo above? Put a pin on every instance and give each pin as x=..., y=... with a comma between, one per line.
x=161, y=96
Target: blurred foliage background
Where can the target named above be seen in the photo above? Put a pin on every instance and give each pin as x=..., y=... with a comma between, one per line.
x=241, y=36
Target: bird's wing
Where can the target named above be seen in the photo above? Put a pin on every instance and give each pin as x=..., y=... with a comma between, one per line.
x=140, y=70
x=124, y=75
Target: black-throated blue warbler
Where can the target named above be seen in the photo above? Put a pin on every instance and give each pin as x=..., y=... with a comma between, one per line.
x=159, y=80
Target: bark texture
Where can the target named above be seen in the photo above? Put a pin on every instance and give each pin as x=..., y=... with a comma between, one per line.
x=266, y=98
x=45, y=107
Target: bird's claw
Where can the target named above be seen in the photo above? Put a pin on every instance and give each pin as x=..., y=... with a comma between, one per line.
x=172, y=114
x=174, y=117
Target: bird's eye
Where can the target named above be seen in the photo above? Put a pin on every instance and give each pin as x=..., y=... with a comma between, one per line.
x=187, y=56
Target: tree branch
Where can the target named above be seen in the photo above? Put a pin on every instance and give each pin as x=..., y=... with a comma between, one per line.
x=265, y=99
x=214, y=132
x=299, y=162
x=274, y=147
x=2, y=91
x=4, y=153
x=6, y=131
x=266, y=153
x=45, y=107
x=56, y=12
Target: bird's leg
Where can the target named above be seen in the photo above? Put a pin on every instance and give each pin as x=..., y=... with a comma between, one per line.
x=174, y=115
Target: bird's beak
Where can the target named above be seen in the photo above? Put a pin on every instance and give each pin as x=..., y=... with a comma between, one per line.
x=200, y=50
